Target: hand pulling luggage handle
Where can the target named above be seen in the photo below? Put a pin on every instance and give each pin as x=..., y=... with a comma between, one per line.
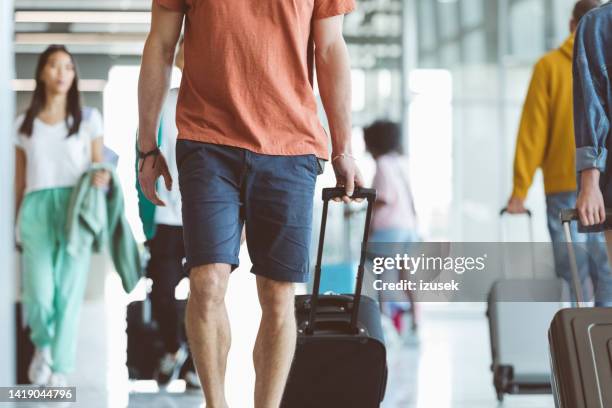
x=328, y=194
x=571, y=214
x=567, y=216
x=360, y=192
x=505, y=210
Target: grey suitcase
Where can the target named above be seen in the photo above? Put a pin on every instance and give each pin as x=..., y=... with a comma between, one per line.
x=581, y=345
x=518, y=332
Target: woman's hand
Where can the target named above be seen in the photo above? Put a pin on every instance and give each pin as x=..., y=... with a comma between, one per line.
x=590, y=202
x=101, y=179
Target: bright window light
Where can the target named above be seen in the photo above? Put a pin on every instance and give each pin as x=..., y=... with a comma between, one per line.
x=431, y=83
x=358, y=89
x=430, y=148
x=384, y=83
x=120, y=126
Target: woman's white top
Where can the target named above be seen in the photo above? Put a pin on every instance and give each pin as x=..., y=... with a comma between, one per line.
x=52, y=158
x=393, y=189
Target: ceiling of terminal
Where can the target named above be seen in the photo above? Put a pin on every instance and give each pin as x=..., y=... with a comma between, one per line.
x=119, y=27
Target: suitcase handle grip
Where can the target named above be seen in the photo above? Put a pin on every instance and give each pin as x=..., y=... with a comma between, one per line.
x=360, y=192
x=332, y=325
x=571, y=214
x=337, y=303
x=567, y=216
x=323, y=309
x=504, y=211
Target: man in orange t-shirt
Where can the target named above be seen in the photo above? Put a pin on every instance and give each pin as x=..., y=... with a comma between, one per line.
x=250, y=148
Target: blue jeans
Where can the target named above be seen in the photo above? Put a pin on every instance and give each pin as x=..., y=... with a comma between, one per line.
x=592, y=263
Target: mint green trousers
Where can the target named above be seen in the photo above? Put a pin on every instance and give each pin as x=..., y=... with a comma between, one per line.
x=53, y=281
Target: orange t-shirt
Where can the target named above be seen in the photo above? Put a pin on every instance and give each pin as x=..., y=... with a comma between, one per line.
x=247, y=80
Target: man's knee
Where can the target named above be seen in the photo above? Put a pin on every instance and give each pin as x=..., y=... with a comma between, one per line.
x=276, y=298
x=208, y=284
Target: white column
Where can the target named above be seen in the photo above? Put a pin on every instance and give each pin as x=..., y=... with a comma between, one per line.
x=7, y=287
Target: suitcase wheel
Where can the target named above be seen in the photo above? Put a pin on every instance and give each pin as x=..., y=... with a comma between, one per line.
x=502, y=380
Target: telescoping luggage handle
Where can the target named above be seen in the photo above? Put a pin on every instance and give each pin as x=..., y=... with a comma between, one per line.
x=329, y=194
x=529, y=215
x=567, y=216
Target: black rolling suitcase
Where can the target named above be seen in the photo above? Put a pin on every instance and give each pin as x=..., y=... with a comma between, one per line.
x=581, y=346
x=340, y=359
x=145, y=346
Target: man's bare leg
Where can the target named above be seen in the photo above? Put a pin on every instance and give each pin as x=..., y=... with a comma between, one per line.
x=208, y=329
x=275, y=342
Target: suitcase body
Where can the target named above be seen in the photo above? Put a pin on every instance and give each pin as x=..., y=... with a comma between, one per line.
x=145, y=346
x=340, y=358
x=333, y=368
x=518, y=369
x=581, y=357
x=580, y=342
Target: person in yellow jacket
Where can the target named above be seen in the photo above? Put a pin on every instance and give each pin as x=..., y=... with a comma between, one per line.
x=546, y=141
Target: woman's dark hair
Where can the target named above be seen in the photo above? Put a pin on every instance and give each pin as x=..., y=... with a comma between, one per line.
x=39, y=97
x=383, y=137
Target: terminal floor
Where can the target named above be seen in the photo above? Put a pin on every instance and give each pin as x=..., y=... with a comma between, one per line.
x=448, y=369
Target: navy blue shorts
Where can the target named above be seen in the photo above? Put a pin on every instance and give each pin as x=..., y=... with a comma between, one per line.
x=224, y=188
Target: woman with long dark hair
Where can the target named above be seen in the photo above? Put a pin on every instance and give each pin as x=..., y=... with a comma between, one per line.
x=56, y=142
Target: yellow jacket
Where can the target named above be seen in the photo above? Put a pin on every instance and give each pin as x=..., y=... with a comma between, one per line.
x=546, y=133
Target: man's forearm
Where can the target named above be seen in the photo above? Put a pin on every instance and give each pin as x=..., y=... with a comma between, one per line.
x=334, y=79
x=153, y=84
